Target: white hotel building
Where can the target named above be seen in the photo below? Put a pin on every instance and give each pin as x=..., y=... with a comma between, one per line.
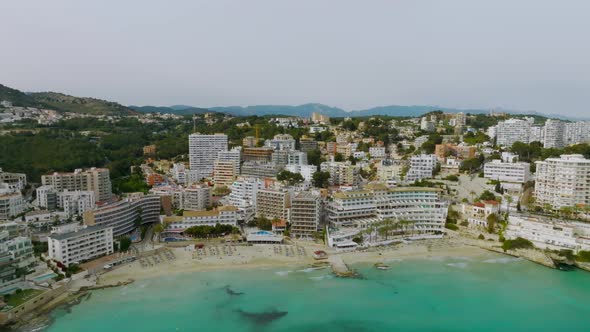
x=518, y=172
x=203, y=150
x=353, y=211
x=513, y=130
x=81, y=245
x=421, y=167
x=563, y=181
x=547, y=233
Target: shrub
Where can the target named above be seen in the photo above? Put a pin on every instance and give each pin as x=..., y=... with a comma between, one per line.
x=452, y=226
x=464, y=223
x=518, y=243
x=481, y=237
x=452, y=177
x=583, y=256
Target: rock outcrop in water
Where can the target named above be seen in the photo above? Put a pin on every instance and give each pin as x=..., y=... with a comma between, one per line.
x=262, y=318
x=232, y=292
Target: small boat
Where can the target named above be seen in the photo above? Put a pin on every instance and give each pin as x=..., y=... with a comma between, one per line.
x=381, y=266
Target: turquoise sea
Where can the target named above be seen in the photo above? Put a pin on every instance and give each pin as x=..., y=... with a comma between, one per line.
x=487, y=293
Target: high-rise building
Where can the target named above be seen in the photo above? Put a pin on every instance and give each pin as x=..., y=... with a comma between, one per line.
x=11, y=205
x=341, y=173
x=518, y=172
x=196, y=197
x=76, y=202
x=235, y=155
x=305, y=215
x=224, y=173
x=243, y=196
x=563, y=182
x=307, y=144
x=93, y=179
x=554, y=134
x=421, y=167
x=513, y=130
x=273, y=204
x=81, y=245
x=203, y=150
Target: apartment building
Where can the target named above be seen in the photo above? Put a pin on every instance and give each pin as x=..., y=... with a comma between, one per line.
x=563, y=181
x=554, y=134
x=307, y=171
x=196, y=197
x=516, y=172
x=377, y=152
x=281, y=142
x=341, y=173
x=125, y=215
x=305, y=215
x=243, y=196
x=16, y=254
x=273, y=204
x=257, y=154
x=93, y=179
x=320, y=118
x=513, y=130
x=545, y=233
x=307, y=144
x=259, y=169
x=203, y=150
x=11, y=205
x=421, y=167
x=234, y=155
x=81, y=245
x=46, y=197
x=224, y=172
x=13, y=181
x=76, y=202
x=249, y=142
x=442, y=151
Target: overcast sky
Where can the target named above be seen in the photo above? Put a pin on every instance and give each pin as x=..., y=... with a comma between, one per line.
x=515, y=54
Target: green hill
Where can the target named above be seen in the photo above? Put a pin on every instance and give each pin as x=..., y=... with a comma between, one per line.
x=18, y=98
x=66, y=103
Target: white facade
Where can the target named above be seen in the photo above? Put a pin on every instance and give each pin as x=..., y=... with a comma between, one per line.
x=307, y=171
x=203, y=150
x=46, y=197
x=11, y=205
x=233, y=155
x=81, y=245
x=14, y=181
x=281, y=142
x=421, y=167
x=243, y=196
x=518, y=172
x=512, y=130
x=94, y=179
x=179, y=173
x=76, y=202
x=341, y=173
x=563, y=181
x=224, y=215
x=549, y=234
x=554, y=134
x=377, y=152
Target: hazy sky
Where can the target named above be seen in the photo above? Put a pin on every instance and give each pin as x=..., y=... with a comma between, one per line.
x=516, y=54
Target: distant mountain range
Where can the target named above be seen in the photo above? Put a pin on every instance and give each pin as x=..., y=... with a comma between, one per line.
x=65, y=103
x=305, y=110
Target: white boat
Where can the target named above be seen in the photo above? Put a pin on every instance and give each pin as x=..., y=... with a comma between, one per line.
x=381, y=266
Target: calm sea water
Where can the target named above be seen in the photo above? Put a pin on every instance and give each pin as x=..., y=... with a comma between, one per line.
x=488, y=293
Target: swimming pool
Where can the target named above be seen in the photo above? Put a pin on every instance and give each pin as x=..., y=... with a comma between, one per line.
x=45, y=277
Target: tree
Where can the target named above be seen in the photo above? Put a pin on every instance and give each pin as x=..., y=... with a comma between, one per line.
x=492, y=221
x=338, y=157
x=124, y=244
x=289, y=177
x=264, y=223
x=321, y=179
x=487, y=196
x=314, y=157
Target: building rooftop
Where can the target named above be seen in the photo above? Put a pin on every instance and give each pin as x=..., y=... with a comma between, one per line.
x=86, y=230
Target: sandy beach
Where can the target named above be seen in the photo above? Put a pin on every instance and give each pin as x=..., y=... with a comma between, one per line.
x=264, y=256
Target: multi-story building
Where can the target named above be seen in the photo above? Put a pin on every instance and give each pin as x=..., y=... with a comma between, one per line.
x=233, y=155
x=81, y=245
x=243, y=196
x=442, y=151
x=418, y=210
x=427, y=125
x=320, y=118
x=93, y=179
x=297, y=158
x=563, y=181
x=14, y=181
x=179, y=173
x=46, y=197
x=257, y=154
x=149, y=150
x=224, y=173
x=305, y=214
x=203, y=150
x=537, y=134
x=554, y=134
x=577, y=132
x=307, y=171
x=377, y=152
x=127, y=214
x=273, y=204
x=249, y=142
x=281, y=142
x=223, y=215
x=196, y=197
x=16, y=254
x=259, y=169
x=421, y=167
x=552, y=234
x=517, y=172
x=76, y=202
x=341, y=173
x=477, y=213
x=307, y=144
x=513, y=130
x=11, y=205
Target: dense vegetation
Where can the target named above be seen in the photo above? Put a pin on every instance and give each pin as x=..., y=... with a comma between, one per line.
x=518, y=243
x=211, y=231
